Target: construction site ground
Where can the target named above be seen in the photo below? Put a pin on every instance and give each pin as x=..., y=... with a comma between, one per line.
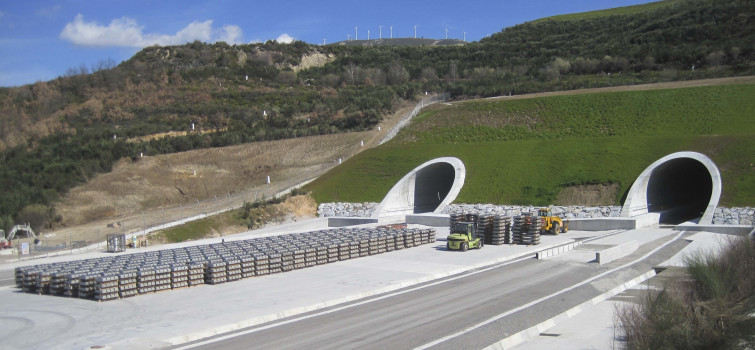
x=189, y=314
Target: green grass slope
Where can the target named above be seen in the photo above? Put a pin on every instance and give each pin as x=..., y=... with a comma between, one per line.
x=526, y=151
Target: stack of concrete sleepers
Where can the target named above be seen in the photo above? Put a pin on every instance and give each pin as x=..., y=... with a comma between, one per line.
x=526, y=230
x=133, y=274
x=501, y=231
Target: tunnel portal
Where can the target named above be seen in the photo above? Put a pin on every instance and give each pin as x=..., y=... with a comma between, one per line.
x=680, y=187
x=426, y=189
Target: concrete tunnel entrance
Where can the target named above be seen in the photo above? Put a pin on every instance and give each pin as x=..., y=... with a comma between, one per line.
x=680, y=187
x=432, y=186
x=426, y=189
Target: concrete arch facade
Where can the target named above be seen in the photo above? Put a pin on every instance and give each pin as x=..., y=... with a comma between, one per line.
x=681, y=186
x=428, y=188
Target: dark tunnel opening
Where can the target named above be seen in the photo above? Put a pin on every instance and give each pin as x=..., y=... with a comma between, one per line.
x=432, y=185
x=679, y=190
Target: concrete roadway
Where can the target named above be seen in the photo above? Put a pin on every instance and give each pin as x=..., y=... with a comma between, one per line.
x=422, y=315
x=7, y=278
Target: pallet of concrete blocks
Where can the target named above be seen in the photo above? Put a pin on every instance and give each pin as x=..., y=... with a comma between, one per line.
x=195, y=273
x=127, y=286
x=310, y=256
x=274, y=262
x=232, y=268
x=86, y=286
x=333, y=252
x=501, y=232
x=381, y=244
x=247, y=266
x=57, y=282
x=42, y=282
x=456, y=217
x=145, y=279
x=526, y=230
x=322, y=255
x=179, y=275
x=485, y=227
x=344, y=251
x=215, y=272
x=30, y=280
x=106, y=287
x=162, y=278
x=261, y=264
x=287, y=260
x=20, y=276
x=71, y=287
x=298, y=254
x=390, y=243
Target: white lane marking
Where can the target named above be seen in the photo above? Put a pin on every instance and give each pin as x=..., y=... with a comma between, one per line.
x=522, y=307
x=301, y=318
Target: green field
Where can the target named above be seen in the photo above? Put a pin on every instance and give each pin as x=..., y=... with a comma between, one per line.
x=526, y=151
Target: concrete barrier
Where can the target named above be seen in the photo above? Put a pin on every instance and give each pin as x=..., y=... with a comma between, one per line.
x=551, y=252
x=740, y=230
x=607, y=255
x=614, y=223
x=433, y=220
x=343, y=221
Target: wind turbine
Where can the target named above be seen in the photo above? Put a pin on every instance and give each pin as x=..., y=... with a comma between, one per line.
x=391, y=32
x=381, y=31
x=465, y=36
x=415, y=31
x=356, y=33
x=368, y=34
x=446, y=32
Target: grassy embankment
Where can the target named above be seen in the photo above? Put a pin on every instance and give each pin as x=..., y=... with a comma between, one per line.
x=526, y=151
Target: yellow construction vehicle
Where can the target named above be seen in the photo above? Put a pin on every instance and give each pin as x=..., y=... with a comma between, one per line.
x=551, y=224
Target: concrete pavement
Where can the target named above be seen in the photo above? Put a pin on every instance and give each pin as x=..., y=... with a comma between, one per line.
x=170, y=318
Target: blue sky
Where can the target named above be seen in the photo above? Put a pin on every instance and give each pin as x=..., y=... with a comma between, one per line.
x=40, y=40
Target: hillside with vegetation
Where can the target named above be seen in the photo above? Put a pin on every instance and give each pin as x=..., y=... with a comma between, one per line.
x=527, y=151
x=58, y=134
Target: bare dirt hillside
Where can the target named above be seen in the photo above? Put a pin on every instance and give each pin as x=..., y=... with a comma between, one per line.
x=159, y=189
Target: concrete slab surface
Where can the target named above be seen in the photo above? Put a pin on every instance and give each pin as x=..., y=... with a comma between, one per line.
x=162, y=319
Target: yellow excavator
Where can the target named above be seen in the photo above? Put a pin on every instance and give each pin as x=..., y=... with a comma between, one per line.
x=551, y=224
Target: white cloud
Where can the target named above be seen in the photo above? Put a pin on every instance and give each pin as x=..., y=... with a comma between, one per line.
x=125, y=31
x=285, y=39
x=231, y=34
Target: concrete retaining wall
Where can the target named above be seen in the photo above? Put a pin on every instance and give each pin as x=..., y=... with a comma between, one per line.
x=433, y=220
x=341, y=222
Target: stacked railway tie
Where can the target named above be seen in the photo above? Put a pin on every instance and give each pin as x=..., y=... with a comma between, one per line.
x=496, y=229
x=111, y=278
x=526, y=230
x=485, y=227
x=501, y=231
